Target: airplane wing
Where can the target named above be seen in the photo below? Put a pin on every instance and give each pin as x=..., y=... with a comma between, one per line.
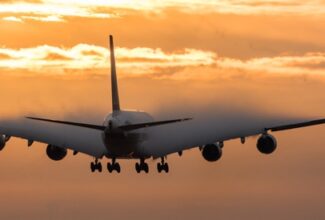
x=296, y=125
x=170, y=139
x=167, y=138
x=129, y=127
x=80, y=139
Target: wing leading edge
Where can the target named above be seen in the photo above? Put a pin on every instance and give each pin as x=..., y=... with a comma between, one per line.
x=157, y=123
x=296, y=125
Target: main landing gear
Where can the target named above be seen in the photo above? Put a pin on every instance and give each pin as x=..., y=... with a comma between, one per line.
x=96, y=166
x=142, y=166
x=113, y=166
x=162, y=166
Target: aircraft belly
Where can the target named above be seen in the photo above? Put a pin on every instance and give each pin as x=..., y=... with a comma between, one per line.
x=126, y=145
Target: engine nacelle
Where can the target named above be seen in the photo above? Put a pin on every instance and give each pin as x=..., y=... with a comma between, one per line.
x=266, y=144
x=56, y=153
x=3, y=140
x=211, y=152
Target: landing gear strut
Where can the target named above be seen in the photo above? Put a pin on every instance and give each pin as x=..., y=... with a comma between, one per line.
x=113, y=166
x=96, y=166
x=142, y=166
x=162, y=166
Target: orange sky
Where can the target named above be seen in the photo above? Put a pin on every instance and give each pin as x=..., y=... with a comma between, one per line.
x=174, y=58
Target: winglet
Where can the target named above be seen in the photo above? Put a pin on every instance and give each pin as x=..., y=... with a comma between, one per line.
x=114, y=85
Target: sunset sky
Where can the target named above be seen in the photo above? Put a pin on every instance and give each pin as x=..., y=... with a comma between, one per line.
x=175, y=58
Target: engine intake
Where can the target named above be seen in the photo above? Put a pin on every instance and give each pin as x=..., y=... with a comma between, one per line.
x=266, y=144
x=56, y=153
x=212, y=152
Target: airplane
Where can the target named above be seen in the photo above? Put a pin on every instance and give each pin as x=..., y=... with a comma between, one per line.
x=126, y=135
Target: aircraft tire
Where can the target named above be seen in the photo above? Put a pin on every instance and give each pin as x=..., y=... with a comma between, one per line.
x=92, y=167
x=117, y=167
x=159, y=167
x=137, y=167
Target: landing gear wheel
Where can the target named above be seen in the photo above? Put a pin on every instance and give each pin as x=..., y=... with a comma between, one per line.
x=146, y=167
x=109, y=167
x=113, y=166
x=142, y=166
x=117, y=167
x=137, y=167
x=95, y=166
x=92, y=167
x=99, y=167
x=166, y=168
x=162, y=166
x=159, y=167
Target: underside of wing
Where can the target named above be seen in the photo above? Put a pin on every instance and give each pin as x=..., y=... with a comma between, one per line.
x=178, y=137
x=80, y=139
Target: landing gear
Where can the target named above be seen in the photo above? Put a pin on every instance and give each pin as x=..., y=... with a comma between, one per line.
x=162, y=166
x=113, y=166
x=142, y=166
x=96, y=166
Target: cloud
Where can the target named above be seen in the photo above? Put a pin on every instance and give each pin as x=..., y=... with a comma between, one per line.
x=154, y=62
x=208, y=6
x=50, y=18
x=83, y=56
x=12, y=18
x=49, y=12
x=58, y=10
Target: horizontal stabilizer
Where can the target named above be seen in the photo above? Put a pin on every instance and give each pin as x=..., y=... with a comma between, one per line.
x=150, y=124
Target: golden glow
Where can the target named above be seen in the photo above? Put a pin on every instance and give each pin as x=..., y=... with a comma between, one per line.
x=175, y=58
x=135, y=61
x=103, y=8
x=49, y=59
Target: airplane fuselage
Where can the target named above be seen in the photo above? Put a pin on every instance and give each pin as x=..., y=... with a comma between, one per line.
x=124, y=144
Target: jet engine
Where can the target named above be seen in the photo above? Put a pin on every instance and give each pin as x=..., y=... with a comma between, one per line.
x=211, y=152
x=56, y=153
x=266, y=144
x=3, y=141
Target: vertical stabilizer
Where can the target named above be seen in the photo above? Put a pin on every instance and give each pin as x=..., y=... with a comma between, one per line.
x=115, y=97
